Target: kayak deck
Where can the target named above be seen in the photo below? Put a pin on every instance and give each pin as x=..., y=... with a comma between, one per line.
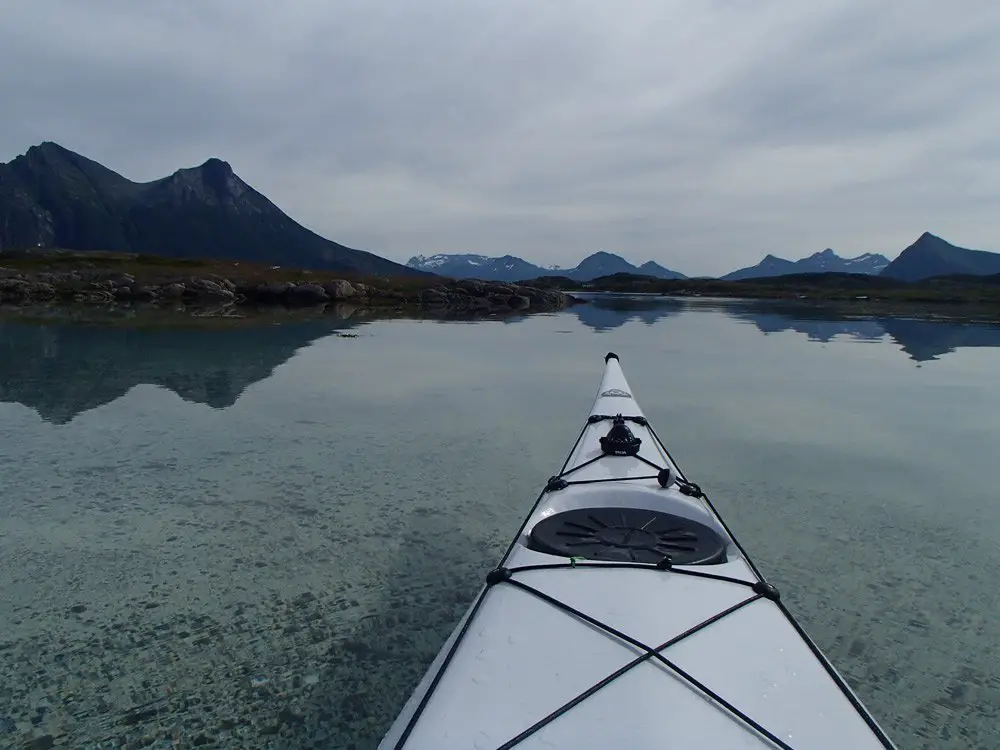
x=625, y=614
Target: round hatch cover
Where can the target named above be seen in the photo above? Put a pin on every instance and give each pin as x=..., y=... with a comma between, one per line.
x=628, y=535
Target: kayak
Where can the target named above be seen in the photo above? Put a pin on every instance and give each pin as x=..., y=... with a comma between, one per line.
x=626, y=614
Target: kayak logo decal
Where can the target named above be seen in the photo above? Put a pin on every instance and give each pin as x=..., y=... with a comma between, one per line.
x=616, y=393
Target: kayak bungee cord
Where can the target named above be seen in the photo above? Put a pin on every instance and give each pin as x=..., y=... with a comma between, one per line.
x=658, y=556
x=762, y=590
x=503, y=574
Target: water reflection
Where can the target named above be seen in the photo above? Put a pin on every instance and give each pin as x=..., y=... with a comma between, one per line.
x=63, y=368
x=607, y=312
x=923, y=339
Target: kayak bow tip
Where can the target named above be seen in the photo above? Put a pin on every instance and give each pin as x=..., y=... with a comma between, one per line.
x=610, y=355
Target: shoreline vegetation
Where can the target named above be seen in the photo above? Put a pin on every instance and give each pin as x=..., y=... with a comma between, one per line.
x=219, y=288
x=77, y=278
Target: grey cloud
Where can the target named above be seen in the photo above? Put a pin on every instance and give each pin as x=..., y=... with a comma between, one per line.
x=700, y=136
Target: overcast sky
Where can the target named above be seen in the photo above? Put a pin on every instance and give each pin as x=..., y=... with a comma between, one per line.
x=700, y=134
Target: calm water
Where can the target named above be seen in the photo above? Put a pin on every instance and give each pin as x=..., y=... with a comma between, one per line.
x=260, y=537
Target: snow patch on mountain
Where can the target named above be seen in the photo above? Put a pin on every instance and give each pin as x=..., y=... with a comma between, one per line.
x=427, y=263
x=512, y=268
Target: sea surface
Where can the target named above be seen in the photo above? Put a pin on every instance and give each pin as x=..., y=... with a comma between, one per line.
x=258, y=534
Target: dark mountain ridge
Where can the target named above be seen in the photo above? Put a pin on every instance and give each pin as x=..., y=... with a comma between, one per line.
x=932, y=256
x=53, y=197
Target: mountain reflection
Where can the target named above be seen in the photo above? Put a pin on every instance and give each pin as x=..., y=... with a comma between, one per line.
x=606, y=312
x=61, y=369
x=921, y=339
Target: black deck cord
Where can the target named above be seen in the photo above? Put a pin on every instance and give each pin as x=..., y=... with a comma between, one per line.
x=702, y=495
x=594, y=419
x=595, y=459
x=439, y=674
x=425, y=698
x=637, y=566
x=650, y=653
x=837, y=679
x=610, y=479
x=619, y=672
x=844, y=687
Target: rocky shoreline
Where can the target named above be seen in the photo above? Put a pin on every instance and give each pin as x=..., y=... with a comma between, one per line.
x=93, y=286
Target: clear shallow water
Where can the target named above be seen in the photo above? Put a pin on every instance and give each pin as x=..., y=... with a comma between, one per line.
x=260, y=537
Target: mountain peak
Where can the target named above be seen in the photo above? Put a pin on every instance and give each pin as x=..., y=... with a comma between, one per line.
x=601, y=263
x=651, y=264
x=603, y=255
x=825, y=256
x=49, y=147
x=218, y=175
x=214, y=164
x=928, y=240
x=932, y=256
x=212, y=182
x=49, y=152
x=211, y=166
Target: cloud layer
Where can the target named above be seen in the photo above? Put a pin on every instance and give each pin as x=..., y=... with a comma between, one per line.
x=700, y=135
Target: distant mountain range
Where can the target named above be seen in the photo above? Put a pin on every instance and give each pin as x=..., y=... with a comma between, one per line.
x=927, y=257
x=823, y=262
x=512, y=268
x=53, y=197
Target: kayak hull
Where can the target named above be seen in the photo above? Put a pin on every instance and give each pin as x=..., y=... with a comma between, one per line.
x=566, y=650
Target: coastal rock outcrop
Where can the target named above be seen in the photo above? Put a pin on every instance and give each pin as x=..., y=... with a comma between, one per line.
x=496, y=296
x=87, y=284
x=307, y=294
x=339, y=289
